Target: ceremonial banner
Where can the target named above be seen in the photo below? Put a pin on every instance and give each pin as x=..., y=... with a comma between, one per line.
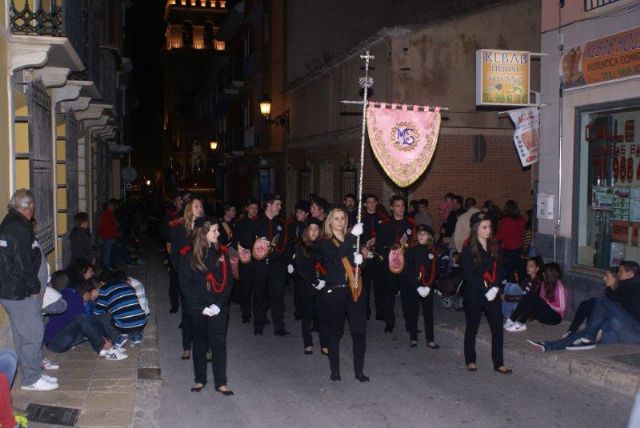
x=403, y=139
x=527, y=134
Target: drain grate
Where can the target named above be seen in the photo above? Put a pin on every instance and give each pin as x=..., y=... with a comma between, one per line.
x=52, y=415
x=149, y=374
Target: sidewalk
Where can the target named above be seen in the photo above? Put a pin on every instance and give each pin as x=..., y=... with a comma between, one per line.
x=616, y=367
x=104, y=393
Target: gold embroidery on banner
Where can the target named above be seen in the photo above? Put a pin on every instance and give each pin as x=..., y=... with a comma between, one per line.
x=403, y=174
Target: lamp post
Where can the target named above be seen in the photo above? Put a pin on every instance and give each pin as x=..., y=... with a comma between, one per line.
x=265, y=110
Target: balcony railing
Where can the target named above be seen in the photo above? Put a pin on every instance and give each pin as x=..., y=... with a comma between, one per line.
x=45, y=20
x=594, y=4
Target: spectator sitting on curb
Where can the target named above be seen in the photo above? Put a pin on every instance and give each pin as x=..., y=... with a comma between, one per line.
x=614, y=319
x=73, y=327
x=8, y=366
x=20, y=262
x=79, y=270
x=118, y=304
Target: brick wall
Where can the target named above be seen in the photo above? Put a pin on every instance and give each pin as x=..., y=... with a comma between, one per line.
x=498, y=177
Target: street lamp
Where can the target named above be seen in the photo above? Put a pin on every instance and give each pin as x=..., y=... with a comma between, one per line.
x=265, y=110
x=213, y=145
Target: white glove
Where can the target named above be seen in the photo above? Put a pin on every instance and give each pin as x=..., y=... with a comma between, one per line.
x=290, y=269
x=215, y=309
x=357, y=229
x=320, y=285
x=491, y=294
x=424, y=291
x=208, y=312
x=357, y=258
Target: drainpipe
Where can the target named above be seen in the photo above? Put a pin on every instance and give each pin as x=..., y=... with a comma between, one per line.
x=556, y=230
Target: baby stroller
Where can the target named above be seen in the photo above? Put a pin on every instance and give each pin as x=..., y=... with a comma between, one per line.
x=450, y=289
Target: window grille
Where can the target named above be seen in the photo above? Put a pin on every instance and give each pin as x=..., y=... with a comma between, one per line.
x=348, y=178
x=41, y=163
x=595, y=4
x=306, y=181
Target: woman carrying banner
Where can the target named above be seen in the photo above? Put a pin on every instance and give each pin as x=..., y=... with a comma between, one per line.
x=307, y=256
x=482, y=270
x=206, y=280
x=339, y=254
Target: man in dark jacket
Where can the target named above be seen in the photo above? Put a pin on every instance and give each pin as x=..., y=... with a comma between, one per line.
x=20, y=259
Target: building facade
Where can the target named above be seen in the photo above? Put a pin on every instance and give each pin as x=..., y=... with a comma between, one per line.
x=431, y=64
x=589, y=150
x=61, y=105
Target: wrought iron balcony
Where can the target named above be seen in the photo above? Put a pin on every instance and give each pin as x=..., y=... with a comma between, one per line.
x=45, y=20
x=594, y=4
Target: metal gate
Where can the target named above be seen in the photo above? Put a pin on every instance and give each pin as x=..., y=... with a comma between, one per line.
x=41, y=163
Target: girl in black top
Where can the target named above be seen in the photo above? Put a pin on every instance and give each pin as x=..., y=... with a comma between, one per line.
x=421, y=272
x=306, y=259
x=336, y=299
x=206, y=280
x=482, y=272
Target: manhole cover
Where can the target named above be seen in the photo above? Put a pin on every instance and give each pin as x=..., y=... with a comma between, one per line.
x=632, y=360
x=52, y=415
x=149, y=374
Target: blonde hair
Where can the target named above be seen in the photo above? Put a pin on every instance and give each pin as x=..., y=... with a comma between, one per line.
x=327, y=231
x=187, y=217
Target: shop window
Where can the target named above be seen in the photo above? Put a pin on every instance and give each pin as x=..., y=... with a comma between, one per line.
x=608, y=208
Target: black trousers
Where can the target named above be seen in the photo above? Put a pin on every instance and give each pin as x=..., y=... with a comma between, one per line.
x=309, y=313
x=411, y=303
x=532, y=305
x=369, y=270
x=474, y=304
x=174, y=288
x=339, y=306
x=297, y=298
x=209, y=333
x=185, y=328
x=374, y=276
x=268, y=290
x=582, y=314
x=392, y=284
x=242, y=290
x=514, y=264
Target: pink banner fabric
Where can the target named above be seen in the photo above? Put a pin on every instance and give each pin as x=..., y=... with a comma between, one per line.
x=403, y=140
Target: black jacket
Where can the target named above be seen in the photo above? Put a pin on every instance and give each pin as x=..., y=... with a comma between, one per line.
x=422, y=266
x=294, y=235
x=332, y=259
x=474, y=276
x=196, y=286
x=179, y=238
x=228, y=239
x=628, y=295
x=390, y=233
x=267, y=228
x=371, y=223
x=81, y=246
x=20, y=258
x=305, y=261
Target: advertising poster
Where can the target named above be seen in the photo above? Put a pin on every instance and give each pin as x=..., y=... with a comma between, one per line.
x=526, y=136
x=601, y=198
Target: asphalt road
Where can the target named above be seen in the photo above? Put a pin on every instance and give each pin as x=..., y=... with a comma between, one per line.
x=277, y=386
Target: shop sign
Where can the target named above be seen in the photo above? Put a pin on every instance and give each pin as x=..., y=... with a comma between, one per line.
x=527, y=134
x=610, y=58
x=503, y=77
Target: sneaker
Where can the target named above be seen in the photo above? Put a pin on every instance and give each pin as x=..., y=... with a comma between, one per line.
x=538, y=345
x=113, y=354
x=581, y=344
x=516, y=327
x=50, y=379
x=121, y=340
x=508, y=323
x=41, y=385
x=567, y=334
x=136, y=339
x=47, y=364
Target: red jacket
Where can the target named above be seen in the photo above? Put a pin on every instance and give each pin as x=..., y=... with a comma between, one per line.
x=511, y=233
x=108, y=226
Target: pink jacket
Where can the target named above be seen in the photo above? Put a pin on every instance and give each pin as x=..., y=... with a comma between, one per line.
x=559, y=303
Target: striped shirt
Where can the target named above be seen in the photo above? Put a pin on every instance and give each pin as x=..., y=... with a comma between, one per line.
x=119, y=300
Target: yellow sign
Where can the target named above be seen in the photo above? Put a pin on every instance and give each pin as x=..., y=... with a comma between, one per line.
x=502, y=77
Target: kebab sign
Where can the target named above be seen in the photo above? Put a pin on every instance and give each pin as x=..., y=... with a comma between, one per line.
x=503, y=77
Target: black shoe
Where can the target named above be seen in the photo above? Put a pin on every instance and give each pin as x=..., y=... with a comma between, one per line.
x=173, y=309
x=246, y=320
x=257, y=332
x=413, y=344
x=433, y=345
x=308, y=350
x=335, y=376
x=362, y=378
x=281, y=332
x=324, y=351
x=226, y=392
x=198, y=387
x=388, y=329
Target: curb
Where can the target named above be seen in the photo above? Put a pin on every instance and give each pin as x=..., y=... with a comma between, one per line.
x=597, y=370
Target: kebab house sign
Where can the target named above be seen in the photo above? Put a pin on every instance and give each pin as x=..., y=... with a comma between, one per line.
x=610, y=58
x=503, y=78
